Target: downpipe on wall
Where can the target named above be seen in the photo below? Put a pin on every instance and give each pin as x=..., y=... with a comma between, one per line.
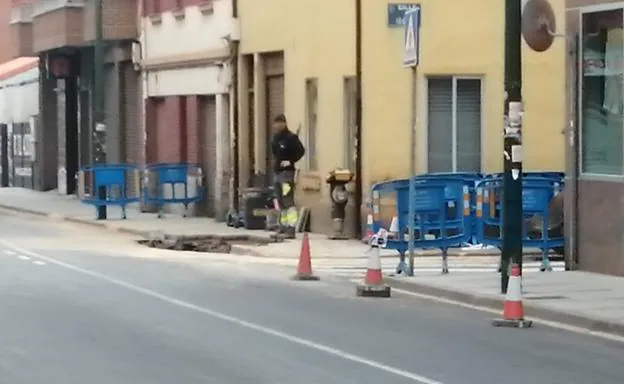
x=234, y=161
x=99, y=128
x=358, y=119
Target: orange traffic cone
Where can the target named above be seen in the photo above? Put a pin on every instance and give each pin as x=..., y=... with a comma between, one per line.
x=373, y=285
x=304, y=269
x=513, y=309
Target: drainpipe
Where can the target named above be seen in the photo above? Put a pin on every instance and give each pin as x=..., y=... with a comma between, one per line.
x=358, y=119
x=98, y=86
x=99, y=151
x=234, y=164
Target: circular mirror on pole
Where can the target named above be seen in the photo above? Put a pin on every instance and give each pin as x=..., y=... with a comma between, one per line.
x=538, y=24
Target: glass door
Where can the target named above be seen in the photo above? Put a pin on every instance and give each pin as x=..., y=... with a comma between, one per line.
x=602, y=91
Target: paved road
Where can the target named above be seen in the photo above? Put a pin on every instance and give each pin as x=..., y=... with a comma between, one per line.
x=81, y=306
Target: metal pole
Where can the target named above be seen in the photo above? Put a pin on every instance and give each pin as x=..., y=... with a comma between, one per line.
x=412, y=186
x=99, y=129
x=572, y=182
x=512, y=179
x=235, y=165
x=359, y=188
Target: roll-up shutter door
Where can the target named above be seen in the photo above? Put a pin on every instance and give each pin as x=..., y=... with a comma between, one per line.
x=275, y=106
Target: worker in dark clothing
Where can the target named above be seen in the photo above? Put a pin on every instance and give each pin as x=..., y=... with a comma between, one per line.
x=286, y=149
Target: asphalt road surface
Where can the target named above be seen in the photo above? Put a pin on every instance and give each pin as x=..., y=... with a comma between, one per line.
x=80, y=305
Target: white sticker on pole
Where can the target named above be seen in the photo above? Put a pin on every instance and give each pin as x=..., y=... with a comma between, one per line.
x=514, y=174
x=516, y=153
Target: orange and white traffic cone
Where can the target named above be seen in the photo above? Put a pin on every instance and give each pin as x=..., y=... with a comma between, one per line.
x=373, y=285
x=304, y=269
x=369, y=229
x=513, y=309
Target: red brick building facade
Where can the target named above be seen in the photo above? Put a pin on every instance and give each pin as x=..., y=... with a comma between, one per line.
x=62, y=34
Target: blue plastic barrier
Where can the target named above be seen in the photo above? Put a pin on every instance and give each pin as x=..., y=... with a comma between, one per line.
x=437, y=221
x=162, y=176
x=470, y=179
x=121, y=182
x=544, y=174
x=537, y=193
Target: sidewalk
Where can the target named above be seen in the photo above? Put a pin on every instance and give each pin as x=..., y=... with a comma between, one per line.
x=581, y=299
x=145, y=225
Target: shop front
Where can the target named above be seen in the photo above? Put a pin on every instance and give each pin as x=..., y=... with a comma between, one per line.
x=595, y=166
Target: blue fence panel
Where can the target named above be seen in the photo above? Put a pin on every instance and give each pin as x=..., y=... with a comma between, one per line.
x=441, y=214
x=537, y=194
x=470, y=179
x=120, y=182
x=172, y=183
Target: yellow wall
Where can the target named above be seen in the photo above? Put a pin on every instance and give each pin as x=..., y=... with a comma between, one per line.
x=320, y=44
x=457, y=38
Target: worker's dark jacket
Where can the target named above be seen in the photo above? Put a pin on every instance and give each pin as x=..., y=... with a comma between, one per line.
x=286, y=146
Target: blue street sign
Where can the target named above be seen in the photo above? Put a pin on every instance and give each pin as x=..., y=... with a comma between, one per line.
x=396, y=13
x=412, y=38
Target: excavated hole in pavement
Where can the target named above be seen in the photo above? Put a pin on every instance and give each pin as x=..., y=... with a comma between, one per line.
x=209, y=244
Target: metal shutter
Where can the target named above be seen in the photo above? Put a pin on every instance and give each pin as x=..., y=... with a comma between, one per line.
x=207, y=138
x=275, y=106
x=468, y=125
x=111, y=119
x=440, y=124
x=129, y=83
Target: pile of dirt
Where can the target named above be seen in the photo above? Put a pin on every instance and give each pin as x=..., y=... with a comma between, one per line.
x=208, y=244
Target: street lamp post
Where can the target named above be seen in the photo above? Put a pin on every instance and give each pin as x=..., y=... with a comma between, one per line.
x=512, y=179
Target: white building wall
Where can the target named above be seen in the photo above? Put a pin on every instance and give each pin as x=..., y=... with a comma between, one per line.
x=167, y=46
x=19, y=97
x=196, y=35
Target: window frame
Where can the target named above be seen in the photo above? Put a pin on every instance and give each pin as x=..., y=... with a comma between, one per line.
x=349, y=121
x=586, y=10
x=425, y=126
x=311, y=159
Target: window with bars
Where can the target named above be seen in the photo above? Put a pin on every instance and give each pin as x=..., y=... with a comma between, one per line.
x=311, y=89
x=349, y=128
x=453, y=124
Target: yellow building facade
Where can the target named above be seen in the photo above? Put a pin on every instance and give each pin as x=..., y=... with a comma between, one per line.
x=304, y=53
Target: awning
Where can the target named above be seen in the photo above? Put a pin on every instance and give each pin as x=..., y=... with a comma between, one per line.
x=17, y=66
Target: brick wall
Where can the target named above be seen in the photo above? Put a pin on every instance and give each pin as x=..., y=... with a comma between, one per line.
x=151, y=7
x=5, y=13
x=192, y=129
x=119, y=16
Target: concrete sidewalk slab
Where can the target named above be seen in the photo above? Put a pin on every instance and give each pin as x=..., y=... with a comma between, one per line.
x=144, y=225
x=582, y=299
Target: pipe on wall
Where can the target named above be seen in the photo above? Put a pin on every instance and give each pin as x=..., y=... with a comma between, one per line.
x=234, y=163
x=358, y=119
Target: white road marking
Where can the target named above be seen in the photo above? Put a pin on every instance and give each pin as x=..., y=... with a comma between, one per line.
x=548, y=323
x=234, y=320
x=39, y=262
x=22, y=257
x=9, y=252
